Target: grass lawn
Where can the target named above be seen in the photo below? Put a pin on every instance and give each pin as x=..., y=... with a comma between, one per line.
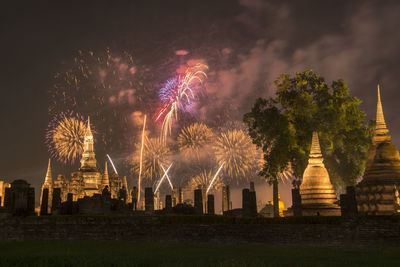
x=116, y=253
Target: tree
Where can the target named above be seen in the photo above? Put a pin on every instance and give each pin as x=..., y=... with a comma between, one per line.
x=282, y=126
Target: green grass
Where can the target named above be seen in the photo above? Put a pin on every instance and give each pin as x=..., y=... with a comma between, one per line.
x=116, y=253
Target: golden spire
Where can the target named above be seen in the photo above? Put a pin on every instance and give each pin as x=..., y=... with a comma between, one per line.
x=49, y=178
x=88, y=130
x=106, y=179
x=315, y=157
x=88, y=160
x=380, y=128
x=106, y=170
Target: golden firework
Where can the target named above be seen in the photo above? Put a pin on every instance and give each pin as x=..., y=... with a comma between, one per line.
x=66, y=138
x=203, y=180
x=155, y=155
x=241, y=156
x=195, y=139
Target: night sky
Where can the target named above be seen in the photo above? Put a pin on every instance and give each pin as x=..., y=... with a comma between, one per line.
x=246, y=43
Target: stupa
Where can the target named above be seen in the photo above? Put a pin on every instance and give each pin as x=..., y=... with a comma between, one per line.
x=318, y=197
x=378, y=191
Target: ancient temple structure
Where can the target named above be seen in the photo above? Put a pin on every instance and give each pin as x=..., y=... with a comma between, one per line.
x=48, y=184
x=87, y=180
x=3, y=186
x=378, y=191
x=318, y=197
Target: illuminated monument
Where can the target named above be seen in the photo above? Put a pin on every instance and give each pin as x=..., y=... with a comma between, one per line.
x=378, y=191
x=317, y=194
x=48, y=184
x=87, y=180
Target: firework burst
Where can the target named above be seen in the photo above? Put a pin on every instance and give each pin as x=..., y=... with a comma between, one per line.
x=107, y=85
x=155, y=155
x=178, y=93
x=203, y=181
x=241, y=156
x=65, y=135
x=194, y=139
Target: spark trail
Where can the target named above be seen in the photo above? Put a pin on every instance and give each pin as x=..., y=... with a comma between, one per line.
x=162, y=178
x=178, y=93
x=141, y=160
x=215, y=176
x=112, y=163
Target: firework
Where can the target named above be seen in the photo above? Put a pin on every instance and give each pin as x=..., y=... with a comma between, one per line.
x=194, y=139
x=65, y=136
x=155, y=154
x=162, y=178
x=203, y=180
x=178, y=93
x=106, y=84
x=112, y=163
x=240, y=155
x=215, y=177
x=141, y=159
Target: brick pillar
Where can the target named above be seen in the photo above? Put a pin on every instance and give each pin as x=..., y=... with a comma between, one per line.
x=246, y=202
x=168, y=202
x=210, y=205
x=198, y=201
x=31, y=201
x=56, y=201
x=224, y=200
x=253, y=203
x=296, y=202
x=174, y=197
x=348, y=202
x=228, y=197
x=149, y=199
x=8, y=200
x=70, y=203
x=45, y=202
x=180, y=195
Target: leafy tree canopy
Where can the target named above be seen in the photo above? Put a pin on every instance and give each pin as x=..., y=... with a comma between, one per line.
x=282, y=126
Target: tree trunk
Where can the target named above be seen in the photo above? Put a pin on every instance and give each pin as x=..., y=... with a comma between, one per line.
x=275, y=197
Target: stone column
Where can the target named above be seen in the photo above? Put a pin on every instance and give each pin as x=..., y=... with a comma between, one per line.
x=198, y=201
x=246, y=202
x=70, y=203
x=210, y=205
x=228, y=197
x=296, y=202
x=174, y=197
x=348, y=204
x=224, y=200
x=168, y=202
x=45, y=202
x=56, y=201
x=157, y=201
x=180, y=195
x=31, y=201
x=253, y=203
x=149, y=199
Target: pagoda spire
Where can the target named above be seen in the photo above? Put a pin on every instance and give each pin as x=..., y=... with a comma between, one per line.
x=48, y=180
x=315, y=158
x=380, y=128
x=106, y=180
x=316, y=190
x=88, y=160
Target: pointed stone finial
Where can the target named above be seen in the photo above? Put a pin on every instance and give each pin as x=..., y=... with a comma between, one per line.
x=380, y=128
x=106, y=170
x=315, y=148
x=315, y=156
x=49, y=177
